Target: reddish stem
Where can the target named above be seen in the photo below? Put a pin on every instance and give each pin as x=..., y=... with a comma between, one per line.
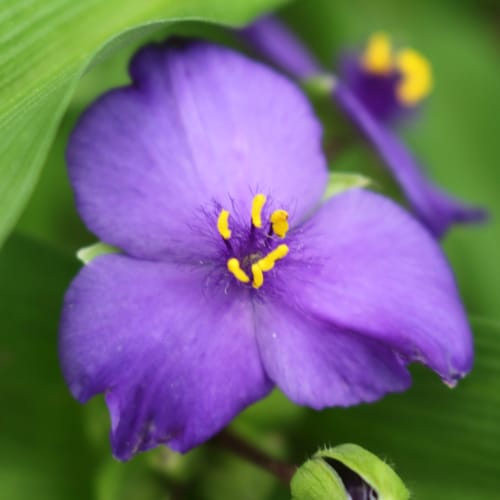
x=281, y=470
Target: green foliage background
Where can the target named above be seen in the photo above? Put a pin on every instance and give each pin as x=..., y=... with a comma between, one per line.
x=445, y=444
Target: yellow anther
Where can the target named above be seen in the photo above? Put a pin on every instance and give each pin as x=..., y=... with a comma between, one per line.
x=223, y=224
x=416, y=81
x=258, y=276
x=233, y=266
x=377, y=57
x=267, y=262
x=258, y=268
x=257, y=205
x=279, y=222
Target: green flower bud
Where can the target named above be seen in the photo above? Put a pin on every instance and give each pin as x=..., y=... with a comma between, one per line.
x=347, y=472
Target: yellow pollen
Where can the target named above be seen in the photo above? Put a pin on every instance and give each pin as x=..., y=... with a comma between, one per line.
x=233, y=266
x=267, y=262
x=223, y=224
x=257, y=204
x=279, y=222
x=377, y=57
x=416, y=81
x=258, y=276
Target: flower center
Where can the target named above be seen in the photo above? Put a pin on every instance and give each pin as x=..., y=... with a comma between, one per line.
x=257, y=263
x=415, y=70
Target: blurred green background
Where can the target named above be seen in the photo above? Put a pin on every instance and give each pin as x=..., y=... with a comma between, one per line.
x=445, y=444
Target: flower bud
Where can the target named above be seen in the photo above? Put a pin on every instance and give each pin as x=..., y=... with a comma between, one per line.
x=347, y=472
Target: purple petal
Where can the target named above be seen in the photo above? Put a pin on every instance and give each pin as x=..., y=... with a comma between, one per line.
x=318, y=365
x=369, y=267
x=435, y=209
x=377, y=93
x=273, y=41
x=176, y=357
x=200, y=124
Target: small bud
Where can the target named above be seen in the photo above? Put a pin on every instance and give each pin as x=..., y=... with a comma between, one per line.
x=347, y=472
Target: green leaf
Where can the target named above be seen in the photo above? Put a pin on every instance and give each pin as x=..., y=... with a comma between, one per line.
x=47, y=45
x=43, y=450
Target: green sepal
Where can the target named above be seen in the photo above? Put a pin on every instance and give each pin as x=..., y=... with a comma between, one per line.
x=87, y=254
x=316, y=480
x=339, y=182
x=321, y=477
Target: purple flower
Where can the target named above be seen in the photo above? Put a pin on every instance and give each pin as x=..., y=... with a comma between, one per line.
x=372, y=92
x=207, y=172
x=389, y=84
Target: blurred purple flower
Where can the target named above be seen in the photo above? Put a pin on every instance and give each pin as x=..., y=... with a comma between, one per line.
x=371, y=100
x=208, y=173
x=389, y=84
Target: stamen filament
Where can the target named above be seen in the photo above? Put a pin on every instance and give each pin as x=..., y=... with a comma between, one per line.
x=223, y=225
x=233, y=266
x=279, y=222
x=257, y=206
x=377, y=57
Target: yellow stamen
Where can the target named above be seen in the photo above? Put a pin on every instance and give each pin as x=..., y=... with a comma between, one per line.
x=416, y=82
x=377, y=57
x=279, y=222
x=233, y=266
x=257, y=205
x=267, y=262
x=258, y=276
x=223, y=224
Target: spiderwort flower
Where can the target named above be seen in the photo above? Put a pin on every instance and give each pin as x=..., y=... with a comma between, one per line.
x=208, y=173
x=370, y=102
x=389, y=84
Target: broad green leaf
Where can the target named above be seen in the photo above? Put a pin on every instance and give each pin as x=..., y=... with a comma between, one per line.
x=50, y=215
x=43, y=450
x=46, y=45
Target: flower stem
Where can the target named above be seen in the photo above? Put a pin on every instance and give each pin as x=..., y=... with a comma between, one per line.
x=283, y=471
